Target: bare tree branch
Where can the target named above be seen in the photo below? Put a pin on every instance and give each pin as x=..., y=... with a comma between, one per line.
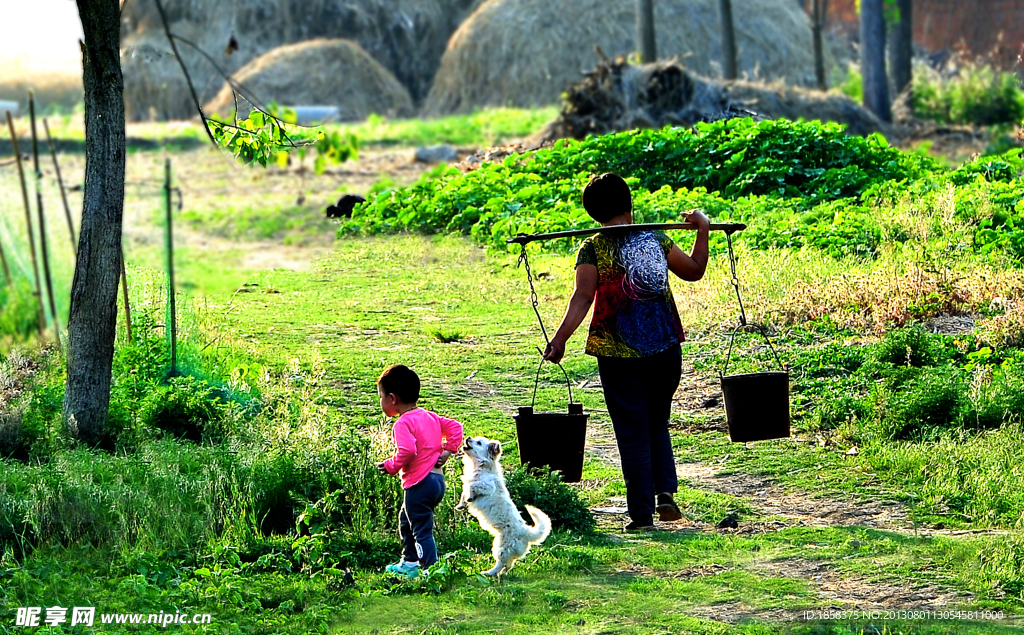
x=181, y=63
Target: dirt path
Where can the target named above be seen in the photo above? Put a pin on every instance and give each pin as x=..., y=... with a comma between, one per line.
x=775, y=509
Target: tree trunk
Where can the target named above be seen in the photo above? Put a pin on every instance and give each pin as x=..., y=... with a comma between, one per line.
x=728, y=40
x=817, y=25
x=93, y=312
x=872, y=59
x=645, y=31
x=902, y=48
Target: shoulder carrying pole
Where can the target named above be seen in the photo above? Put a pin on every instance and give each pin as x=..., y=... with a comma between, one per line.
x=522, y=239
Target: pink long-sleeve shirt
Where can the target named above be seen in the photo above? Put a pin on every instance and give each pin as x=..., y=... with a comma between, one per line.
x=420, y=436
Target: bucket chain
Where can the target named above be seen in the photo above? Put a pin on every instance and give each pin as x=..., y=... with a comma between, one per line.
x=743, y=316
x=735, y=279
x=534, y=299
x=524, y=260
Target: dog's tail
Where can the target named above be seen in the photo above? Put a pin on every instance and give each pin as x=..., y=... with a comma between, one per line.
x=541, y=525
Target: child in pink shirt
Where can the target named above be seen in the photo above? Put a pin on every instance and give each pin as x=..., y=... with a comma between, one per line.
x=424, y=441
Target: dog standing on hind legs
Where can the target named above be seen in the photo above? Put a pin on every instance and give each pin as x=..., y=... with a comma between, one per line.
x=485, y=494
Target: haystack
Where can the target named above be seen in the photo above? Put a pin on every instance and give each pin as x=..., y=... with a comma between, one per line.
x=525, y=52
x=407, y=37
x=318, y=72
x=618, y=96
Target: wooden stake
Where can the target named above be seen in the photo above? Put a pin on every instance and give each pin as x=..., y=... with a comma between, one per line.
x=3, y=261
x=28, y=219
x=42, y=219
x=817, y=24
x=729, y=66
x=7, y=270
x=172, y=319
x=127, y=306
x=60, y=183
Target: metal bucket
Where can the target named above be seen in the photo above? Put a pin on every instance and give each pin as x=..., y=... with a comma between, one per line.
x=554, y=440
x=756, y=404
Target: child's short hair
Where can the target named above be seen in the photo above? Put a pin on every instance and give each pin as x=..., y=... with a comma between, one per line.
x=607, y=196
x=401, y=381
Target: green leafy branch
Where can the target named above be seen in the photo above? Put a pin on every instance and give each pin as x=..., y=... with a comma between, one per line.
x=265, y=135
x=268, y=137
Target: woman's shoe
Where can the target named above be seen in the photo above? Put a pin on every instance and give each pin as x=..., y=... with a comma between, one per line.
x=637, y=526
x=667, y=509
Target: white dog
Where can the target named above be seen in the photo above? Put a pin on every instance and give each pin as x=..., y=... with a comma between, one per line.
x=484, y=491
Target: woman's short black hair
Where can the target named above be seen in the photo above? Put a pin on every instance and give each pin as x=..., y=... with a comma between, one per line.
x=400, y=381
x=607, y=196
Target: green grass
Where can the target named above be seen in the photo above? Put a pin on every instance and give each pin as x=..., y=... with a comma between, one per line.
x=484, y=128
x=211, y=527
x=492, y=126
x=19, y=321
x=287, y=224
x=274, y=519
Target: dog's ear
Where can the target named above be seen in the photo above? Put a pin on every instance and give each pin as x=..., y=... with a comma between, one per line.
x=494, y=449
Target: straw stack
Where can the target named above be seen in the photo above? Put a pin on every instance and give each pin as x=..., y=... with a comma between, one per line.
x=525, y=52
x=407, y=37
x=319, y=72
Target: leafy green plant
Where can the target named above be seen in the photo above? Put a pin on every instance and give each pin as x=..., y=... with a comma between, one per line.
x=445, y=336
x=999, y=401
x=268, y=137
x=546, y=491
x=907, y=346
x=852, y=84
x=1005, y=235
x=831, y=413
x=186, y=408
x=933, y=398
x=720, y=167
x=968, y=91
x=1004, y=167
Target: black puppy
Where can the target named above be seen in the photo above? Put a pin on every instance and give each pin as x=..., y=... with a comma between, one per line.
x=344, y=206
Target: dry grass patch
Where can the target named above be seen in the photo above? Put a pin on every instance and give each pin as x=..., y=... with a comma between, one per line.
x=788, y=287
x=55, y=90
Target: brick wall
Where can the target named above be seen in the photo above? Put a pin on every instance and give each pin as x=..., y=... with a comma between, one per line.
x=974, y=25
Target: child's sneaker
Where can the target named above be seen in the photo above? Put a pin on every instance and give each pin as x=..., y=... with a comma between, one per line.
x=404, y=569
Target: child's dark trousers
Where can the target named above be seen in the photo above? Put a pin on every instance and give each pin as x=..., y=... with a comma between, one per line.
x=416, y=520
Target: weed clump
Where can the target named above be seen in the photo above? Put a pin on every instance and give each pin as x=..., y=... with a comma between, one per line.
x=936, y=398
x=967, y=91
x=832, y=413
x=187, y=408
x=908, y=346
x=547, y=492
